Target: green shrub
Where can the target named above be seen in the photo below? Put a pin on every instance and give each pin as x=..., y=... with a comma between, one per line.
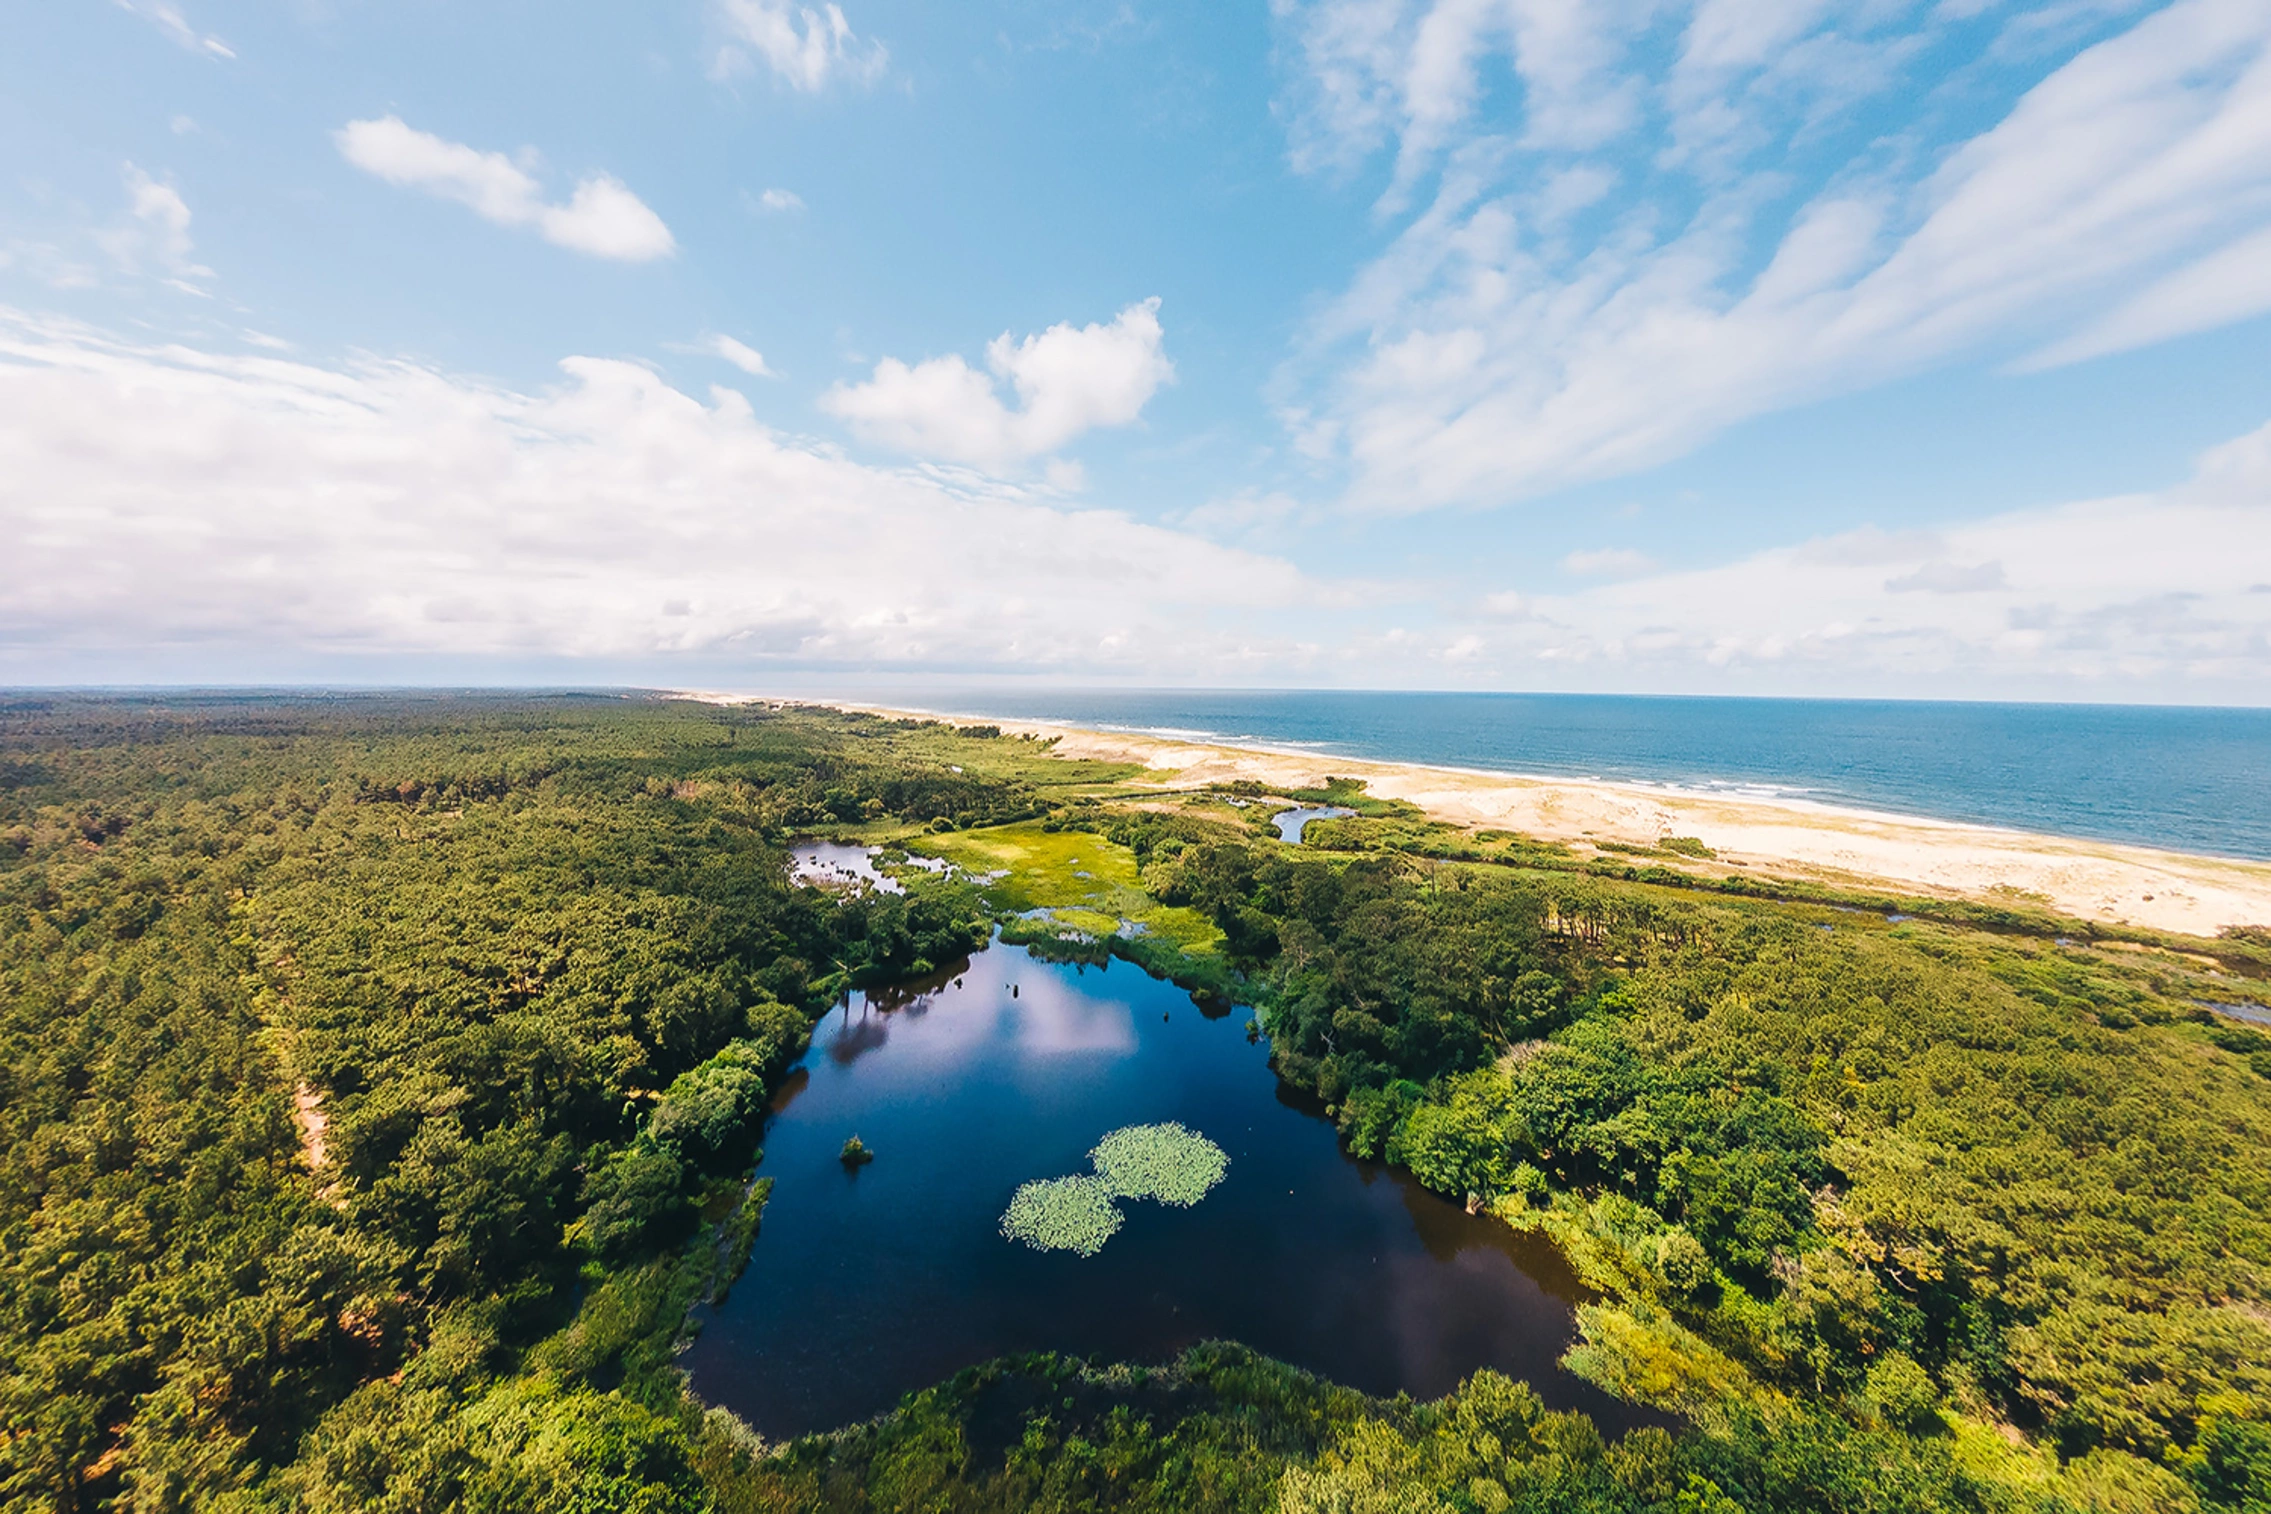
x=636, y=1203
x=1901, y=1393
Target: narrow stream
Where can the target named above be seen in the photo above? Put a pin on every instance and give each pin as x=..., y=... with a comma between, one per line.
x=868, y=1283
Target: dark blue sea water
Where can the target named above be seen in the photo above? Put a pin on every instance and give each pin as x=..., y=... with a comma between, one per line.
x=2196, y=780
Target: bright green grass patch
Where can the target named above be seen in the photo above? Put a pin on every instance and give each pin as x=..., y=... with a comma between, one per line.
x=1066, y=872
x=1166, y=1162
x=1088, y=922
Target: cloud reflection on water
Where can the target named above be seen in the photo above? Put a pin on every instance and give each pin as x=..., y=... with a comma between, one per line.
x=1051, y=1018
x=1049, y=1015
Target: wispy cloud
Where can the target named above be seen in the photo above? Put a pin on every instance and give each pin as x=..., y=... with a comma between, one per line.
x=1671, y=228
x=601, y=217
x=167, y=18
x=806, y=47
x=780, y=201
x=1067, y=380
x=152, y=239
x=2229, y=284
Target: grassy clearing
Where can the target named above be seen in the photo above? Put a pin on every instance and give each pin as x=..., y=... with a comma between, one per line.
x=1087, y=883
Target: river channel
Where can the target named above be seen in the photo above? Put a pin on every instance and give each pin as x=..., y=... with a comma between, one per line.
x=870, y=1282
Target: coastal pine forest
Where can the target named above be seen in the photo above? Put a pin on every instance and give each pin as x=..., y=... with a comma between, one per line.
x=385, y=1082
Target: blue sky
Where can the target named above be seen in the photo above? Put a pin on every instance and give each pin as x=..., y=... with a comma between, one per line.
x=1764, y=346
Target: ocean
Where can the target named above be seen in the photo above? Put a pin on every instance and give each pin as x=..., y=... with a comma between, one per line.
x=2183, y=778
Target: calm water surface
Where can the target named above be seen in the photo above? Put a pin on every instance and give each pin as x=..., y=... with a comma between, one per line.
x=865, y=1285
x=1291, y=823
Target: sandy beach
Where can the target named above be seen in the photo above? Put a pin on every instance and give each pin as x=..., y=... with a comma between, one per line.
x=1786, y=838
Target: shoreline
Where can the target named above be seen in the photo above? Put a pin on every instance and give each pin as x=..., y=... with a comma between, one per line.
x=1780, y=836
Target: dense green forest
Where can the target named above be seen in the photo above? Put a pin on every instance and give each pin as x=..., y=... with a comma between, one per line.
x=383, y=1076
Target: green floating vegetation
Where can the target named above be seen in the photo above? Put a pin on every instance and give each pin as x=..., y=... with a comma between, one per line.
x=1063, y=1214
x=1166, y=1162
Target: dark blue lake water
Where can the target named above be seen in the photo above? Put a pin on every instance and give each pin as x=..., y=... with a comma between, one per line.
x=866, y=1284
x=2188, y=779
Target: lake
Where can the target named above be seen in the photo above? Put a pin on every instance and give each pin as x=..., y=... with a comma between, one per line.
x=866, y=1284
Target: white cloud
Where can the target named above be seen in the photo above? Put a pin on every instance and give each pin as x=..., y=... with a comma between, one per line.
x=804, y=46
x=219, y=508
x=2150, y=596
x=2229, y=284
x=601, y=218
x=1067, y=380
x=748, y=359
x=1943, y=577
x=1248, y=515
x=1595, y=285
x=780, y=201
x=169, y=19
x=1607, y=562
x=154, y=236
x=161, y=211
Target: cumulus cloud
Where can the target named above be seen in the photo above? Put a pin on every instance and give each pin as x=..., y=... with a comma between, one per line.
x=1067, y=380
x=806, y=48
x=780, y=201
x=233, y=506
x=2156, y=595
x=1640, y=248
x=601, y=218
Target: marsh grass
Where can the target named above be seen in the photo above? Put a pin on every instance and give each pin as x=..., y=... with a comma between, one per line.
x=1087, y=883
x=1166, y=1162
